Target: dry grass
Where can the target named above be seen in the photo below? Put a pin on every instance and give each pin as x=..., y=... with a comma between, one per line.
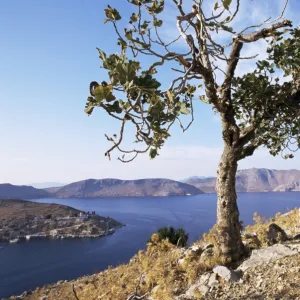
x=289, y=222
x=156, y=267
x=156, y=271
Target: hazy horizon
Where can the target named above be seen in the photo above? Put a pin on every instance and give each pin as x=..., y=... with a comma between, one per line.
x=42, y=185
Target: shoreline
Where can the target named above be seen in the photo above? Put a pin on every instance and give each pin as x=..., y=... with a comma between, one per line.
x=40, y=236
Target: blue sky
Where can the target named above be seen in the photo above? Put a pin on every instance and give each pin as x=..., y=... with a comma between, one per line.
x=48, y=58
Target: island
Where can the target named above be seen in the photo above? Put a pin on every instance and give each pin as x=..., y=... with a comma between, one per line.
x=99, y=188
x=22, y=220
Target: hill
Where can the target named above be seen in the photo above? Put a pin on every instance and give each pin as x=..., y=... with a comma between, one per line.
x=20, y=219
x=255, y=180
x=9, y=191
x=270, y=269
x=123, y=188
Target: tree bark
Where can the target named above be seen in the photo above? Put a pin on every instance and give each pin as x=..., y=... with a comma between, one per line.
x=230, y=244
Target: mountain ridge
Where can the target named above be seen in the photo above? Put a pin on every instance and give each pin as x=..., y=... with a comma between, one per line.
x=255, y=180
x=108, y=187
x=111, y=187
x=248, y=180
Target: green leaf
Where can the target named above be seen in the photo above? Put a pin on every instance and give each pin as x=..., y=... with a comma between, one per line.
x=157, y=23
x=153, y=153
x=227, y=28
x=157, y=7
x=115, y=107
x=145, y=24
x=127, y=71
x=183, y=109
x=203, y=99
x=104, y=92
x=133, y=18
x=128, y=34
x=226, y=4
x=89, y=109
x=112, y=14
x=216, y=6
x=102, y=55
x=135, y=2
x=170, y=96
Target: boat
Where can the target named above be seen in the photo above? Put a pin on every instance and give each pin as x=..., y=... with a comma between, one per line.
x=14, y=241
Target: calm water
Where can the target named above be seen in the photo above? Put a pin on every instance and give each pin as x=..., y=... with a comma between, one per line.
x=28, y=265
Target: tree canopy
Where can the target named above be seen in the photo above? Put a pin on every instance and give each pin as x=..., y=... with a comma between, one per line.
x=264, y=108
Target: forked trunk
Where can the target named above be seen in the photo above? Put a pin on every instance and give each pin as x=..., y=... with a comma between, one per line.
x=230, y=244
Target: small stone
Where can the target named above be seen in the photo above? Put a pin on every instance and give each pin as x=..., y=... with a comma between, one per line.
x=280, y=288
x=226, y=274
x=154, y=290
x=208, y=246
x=259, y=282
x=212, y=281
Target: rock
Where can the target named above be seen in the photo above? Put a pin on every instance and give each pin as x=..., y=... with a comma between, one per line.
x=208, y=246
x=203, y=285
x=259, y=282
x=226, y=274
x=181, y=262
x=212, y=281
x=280, y=288
x=266, y=255
x=294, y=247
x=194, y=251
x=251, y=241
x=191, y=253
x=296, y=237
x=154, y=290
x=133, y=259
x=206, y=255
x=275, y=233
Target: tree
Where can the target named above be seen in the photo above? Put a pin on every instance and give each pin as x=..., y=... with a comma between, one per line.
x=256, y=109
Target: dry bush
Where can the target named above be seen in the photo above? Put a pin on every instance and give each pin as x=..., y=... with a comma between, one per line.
x=289, y=222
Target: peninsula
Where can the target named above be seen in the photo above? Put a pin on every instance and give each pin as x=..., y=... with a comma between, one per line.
x=25, y=220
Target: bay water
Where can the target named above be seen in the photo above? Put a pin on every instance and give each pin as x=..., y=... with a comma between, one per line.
x=27, y=265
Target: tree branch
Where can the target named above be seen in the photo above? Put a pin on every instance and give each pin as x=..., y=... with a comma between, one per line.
x=263, y=33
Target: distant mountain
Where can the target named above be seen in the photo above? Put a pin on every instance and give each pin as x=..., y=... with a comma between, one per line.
x=195, y=178
x=45, y=185
x=249, y=180
x=124, y=188
x=293, y=187
x=255, y=180
x=9, y=191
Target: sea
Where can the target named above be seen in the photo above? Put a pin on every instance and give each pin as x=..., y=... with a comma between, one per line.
x=28, y=265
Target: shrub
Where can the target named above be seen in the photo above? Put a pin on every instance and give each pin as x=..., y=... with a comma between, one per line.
x=177, y=237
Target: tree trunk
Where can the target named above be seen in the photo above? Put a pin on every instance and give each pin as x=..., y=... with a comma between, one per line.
x=230, y=244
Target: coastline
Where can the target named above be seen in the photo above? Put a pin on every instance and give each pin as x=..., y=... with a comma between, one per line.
x=42, y=236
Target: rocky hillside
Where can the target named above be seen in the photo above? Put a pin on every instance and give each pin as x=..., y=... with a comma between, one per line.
x=270, y=270
x=124, y=188
x=293, y=187
x=20, y=218
x=9, y=191
x=255, y=180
